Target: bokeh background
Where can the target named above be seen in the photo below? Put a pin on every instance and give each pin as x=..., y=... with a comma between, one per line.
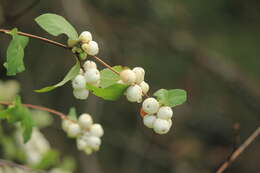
x=209, y=48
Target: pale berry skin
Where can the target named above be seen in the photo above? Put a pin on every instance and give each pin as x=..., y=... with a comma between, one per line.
x=79, y=82
x=85, y=121
x=65, y=125
x=150, y=105
x=94, y=142
x=81, y=94
x=145, y=87
x=165, y=112
x=92, y=75
x=88, y=150
x=148, y=120
x=91, y=48
x=128, y=76
x=73, y=130
x=134, y=94
x=81, y=143
x=170, y=122
x=96, y=130
x=85, y=37
x=89, y=65
x=139, y=72
x=161, y=126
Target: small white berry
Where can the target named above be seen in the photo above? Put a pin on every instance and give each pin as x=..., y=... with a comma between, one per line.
x=165, y=112
x=144, y=86
x=74, y=130
x=150, y=105
x=148, y=120
x=85, y=37
x=161, y=126
x=89, y=64
x=170, y=122
x=92, y=75
x=85, y=121
x=81, y=143
x=128, y=76
x=79, y=82
x=96, y=130
x=94, y=142
x=65, y=125
x=139, y=72
x=81, y=94
x=90, y=48
x=134, y=93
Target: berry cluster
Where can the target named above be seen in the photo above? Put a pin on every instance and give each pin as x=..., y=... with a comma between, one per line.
x=35, y=148
x=88, y=134
x=135, y=78
x=90, y=75
x=88, y=45
x=156, y=116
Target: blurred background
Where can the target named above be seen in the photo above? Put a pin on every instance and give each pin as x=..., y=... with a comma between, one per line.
x=209, y=48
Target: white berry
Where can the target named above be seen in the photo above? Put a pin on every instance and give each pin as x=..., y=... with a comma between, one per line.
x=90, y=48
x=85, y=121
x=96, y=130
x=165, y=112
x=79, y=82
x=148, y=120
x=139, y=72
x=88, y=150
x=134, y=93
x=94, y=142
x=150, y=105
x=92, y=75
x=81, y=94
x=144, y=86
x=85, y=37
x=81, y=143
x=65, y=125
x=73, y=130
x=128, y=76
x=161, y=126
x=89, y=64
x=170, y=122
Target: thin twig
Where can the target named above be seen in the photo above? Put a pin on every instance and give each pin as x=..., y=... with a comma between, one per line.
x=105, y=64
x=60, y=114
x=238, y=151
x=15, y=165
x=38, y=38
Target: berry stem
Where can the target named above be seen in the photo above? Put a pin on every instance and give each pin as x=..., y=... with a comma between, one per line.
x=6, y=31
x=60, y=114
x=105, y=64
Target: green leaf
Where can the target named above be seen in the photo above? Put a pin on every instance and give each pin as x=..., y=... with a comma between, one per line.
x=112, y=92
x=56, y=25
x=172, y=97
x=19, y=113
x=50, y=158
x=70, y=75
x=72, y=114
x=108, y=78
x=15, y=53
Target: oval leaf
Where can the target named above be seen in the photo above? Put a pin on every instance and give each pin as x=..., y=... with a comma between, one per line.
x=56, y=25
x=172, y=97
x=74, y=71
x=15, y=53
x=112, y=92
x=108, y=77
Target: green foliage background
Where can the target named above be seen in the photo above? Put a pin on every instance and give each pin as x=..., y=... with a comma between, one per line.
x=209, y=48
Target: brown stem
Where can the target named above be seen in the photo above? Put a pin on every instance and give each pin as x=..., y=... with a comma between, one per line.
x=60, y=114
x=105, y=64
x=238, y=151
x=38, y=38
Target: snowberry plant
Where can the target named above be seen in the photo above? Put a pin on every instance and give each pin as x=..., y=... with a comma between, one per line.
x=109, y=84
